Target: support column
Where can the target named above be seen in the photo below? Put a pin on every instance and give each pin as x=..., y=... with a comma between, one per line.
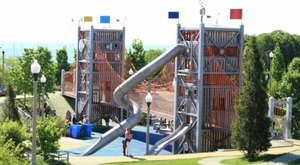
x=288, y=115
x=200, y=89
x=271, y=115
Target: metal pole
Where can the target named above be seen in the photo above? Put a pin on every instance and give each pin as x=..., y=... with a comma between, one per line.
x=288, y=115
x=3, y=52
x=33, y=159
x=147, y=134
x=43, y=88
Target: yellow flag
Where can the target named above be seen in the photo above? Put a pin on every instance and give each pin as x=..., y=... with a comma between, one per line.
x=88, y=19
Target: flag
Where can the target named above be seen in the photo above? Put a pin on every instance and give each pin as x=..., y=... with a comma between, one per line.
x=236, y=13
x=88, y=19
x=104, y=19
x=173, y=14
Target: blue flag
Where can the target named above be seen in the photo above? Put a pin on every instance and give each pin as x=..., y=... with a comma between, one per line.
x=104, y=19
x=173, y=14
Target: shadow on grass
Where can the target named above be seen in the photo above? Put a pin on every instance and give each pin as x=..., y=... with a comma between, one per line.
x=70, y=101
x=260, y=159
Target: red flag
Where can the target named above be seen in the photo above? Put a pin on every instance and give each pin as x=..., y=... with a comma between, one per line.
x=236, y=13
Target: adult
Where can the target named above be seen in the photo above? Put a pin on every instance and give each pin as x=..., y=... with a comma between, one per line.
x=68, y=115
x=128, y=137
x=85, y=119
x=74, y=121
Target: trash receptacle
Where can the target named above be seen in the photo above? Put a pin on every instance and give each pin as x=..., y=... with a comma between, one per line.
x=70, y=131
x=76, y=131
x=89, y=130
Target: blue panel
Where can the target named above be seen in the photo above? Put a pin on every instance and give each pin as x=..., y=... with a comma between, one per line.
x=104, y=19
x=173, y=14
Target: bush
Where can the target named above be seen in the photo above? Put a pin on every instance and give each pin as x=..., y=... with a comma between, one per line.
x=48, y=134
x=11, y=154
x=14, y=132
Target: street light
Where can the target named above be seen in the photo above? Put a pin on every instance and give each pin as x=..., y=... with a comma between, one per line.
x=148, y=99
x=271, y=55
x=43, y=81
x=35, y=70
x=130, y=72
x=3, y=52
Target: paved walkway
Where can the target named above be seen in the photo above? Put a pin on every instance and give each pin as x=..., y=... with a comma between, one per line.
x=290, y=147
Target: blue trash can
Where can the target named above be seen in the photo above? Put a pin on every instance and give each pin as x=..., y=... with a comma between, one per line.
x=89, y=130
x=76, y=131
x=70, y=130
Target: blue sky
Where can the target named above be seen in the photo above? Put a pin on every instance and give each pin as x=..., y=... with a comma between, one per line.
x=50, y=20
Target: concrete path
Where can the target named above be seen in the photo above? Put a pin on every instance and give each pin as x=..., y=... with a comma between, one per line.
x=214, y=160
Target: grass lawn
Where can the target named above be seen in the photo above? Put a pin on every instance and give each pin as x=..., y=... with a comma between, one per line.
x=162, y=162
x=242, y=160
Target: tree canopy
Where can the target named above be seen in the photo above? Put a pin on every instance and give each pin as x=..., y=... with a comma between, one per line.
x=290, y=88
x=251, y=107
x=137, y=55
x=62, y=63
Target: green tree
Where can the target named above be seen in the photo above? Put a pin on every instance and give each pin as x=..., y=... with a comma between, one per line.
x=21, y=76
x=289, y=88
x=137, y=55
x=251, y=107
x=62, y=63
x=277, y=71
x=277, y=64
x=11, y=110
x=152, y=54
x=48, y=134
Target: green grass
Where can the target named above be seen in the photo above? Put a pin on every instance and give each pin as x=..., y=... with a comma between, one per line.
x=193, y=161
x=243, y=161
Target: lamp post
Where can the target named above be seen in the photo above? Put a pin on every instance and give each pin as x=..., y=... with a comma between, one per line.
x=35, y=70
x=271, y=55
x=3, y=52
x=43, y=81
x=130, y=72
x=148, y=99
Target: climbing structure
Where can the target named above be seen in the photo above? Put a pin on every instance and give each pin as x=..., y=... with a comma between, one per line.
x=207, y=80
x=99, y=71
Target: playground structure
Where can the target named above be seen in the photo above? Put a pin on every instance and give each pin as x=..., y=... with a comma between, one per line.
x=206, y=67
x=207, y=81
x=99, y=70
x=282, y=126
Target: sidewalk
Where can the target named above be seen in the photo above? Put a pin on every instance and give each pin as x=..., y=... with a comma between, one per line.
x=290, y=146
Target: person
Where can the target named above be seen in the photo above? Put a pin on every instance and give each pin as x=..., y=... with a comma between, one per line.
x=171, y=126
x=124, y=147
x=128, y=137
x=161, y=124
x=85, y=119
x=74, y=121
x=68, y=115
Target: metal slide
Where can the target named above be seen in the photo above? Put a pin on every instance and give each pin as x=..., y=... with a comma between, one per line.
x=180, y=131
x=120, y=96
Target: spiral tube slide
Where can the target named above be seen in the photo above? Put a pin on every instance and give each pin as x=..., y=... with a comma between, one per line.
x=120, y=96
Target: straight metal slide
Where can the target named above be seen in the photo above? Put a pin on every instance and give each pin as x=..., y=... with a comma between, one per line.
x=179, y=132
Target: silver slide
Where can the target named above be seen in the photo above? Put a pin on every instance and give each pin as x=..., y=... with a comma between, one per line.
x=180, y=131
x=120, y=96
